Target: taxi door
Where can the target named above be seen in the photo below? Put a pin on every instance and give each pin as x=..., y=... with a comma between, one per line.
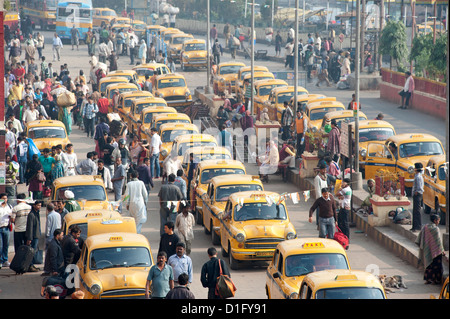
x=206, y=206
x=274, y=273
x=378, y=157
x=428, y=182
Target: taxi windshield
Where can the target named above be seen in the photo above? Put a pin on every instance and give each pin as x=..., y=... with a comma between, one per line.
x=159, y=123
x=303, y=264
x=149, y=115
x=105, y=84
x=142, y=106
x=347, y=119
x=83, y=227
x=169, y=136
x=420, y=149
x=318, y=114
x=208, y=174
x=168, y=83
x=185, y=146
x=284, y=97
x=87, y=192
x=195, y=47
x=180, y=40
x=223, y=192
x=109, y=13
x=46, y=132
x=115, y=257
x=375, y=134
x=259, y=211
x=144, y=72
x=350, y=293
x=229, y=69
x=121, y=90
x=265, y=90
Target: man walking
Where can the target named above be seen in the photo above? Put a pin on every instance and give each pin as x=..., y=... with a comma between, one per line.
x=137, y=200
x=345, y=195
x=417, y=193
x=5, y=219
x=19, y=219
x=89, y=112
x=323, y=76
x=287, y=118
x=301, y=125
x=75, y=37
x=118, y=180
x=33, y=233
x=327, y=214
x=168, y=194
x=180, y=262
x=54, y=258
x=155, y=146
x=53, y=223
x=57, y=46
x=160, y=278
x=210, y=272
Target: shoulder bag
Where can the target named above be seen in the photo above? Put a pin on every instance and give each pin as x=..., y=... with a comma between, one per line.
x=225, y=287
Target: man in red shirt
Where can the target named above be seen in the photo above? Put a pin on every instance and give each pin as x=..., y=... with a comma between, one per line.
x=103, y=106
x=19, y=72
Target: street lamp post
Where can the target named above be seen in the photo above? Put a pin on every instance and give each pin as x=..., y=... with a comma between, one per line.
x=296, y=56
x=252, y=57
x=208, y=60
x=357, y=177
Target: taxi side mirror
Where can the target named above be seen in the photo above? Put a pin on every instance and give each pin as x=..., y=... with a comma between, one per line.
x=389, y=156
x=276, y=275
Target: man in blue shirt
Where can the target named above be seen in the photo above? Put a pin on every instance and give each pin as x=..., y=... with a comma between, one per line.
x=160, y=278
x=180, y=262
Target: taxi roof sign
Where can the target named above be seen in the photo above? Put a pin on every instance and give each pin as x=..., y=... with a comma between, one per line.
x=313, y=245
x=116, y=238
x=94, y=214
x=345, y=277
x=417, y=136
x=111, y=221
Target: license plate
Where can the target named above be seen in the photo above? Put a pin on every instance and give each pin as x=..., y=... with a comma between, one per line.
x=264, y=254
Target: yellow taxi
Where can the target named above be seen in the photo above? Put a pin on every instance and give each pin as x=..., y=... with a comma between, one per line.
x=121, y=88
x=182, y=143
x=424, y=29
x=252, y=225
x=373, y=131
x=225, y=77
x=167, y=32
x=193, y=54
x=316, y=111
x=154, y=28
x=203, y=173
x=341, y=284
x=257, y=76
x=130, y=75
x=114, y=266
x=102, y=16
x=116, y=27
x=243, y=71
x=173, y=88
x=342, y=116
x=169, y=131
x=219, y=190
x=277, y=97
x=294, y=259
x=263, y=89
x=123, y=224
x=175, y=44
x=160, y=119
x=89, y=191
x=156, y=104
x=139, y=27
x=399, y=154
x=124, y=102
x=202, y=153
x=146, y=118
x=81, y=217
x=303, y=100
x=444, y=291
x=434, y=177
x=104, y=82
x=47, y=133
x=122, y=20
x=148, y=69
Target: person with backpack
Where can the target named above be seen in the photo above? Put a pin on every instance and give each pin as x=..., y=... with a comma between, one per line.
x=217, y=51
x=211, y=271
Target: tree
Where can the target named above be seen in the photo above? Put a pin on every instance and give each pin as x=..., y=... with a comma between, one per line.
x=393, y=42
x=420, y=53
x=438, y=57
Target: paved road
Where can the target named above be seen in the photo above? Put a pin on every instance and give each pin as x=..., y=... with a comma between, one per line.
x=363, y=253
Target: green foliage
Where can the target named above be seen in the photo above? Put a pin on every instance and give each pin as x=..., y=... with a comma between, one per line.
x=430, y=59
x=420, y=53
x=393, y=42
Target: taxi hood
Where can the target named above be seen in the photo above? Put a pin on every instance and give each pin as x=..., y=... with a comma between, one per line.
x=268, y=228
x=120, y=278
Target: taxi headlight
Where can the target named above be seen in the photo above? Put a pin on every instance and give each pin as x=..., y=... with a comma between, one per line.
x=411, y=170
x=290, y=236
x=161, y=95
x=222, y=80
x=363, y=152
x=293, y=295
x=314, y=129
x=240, y=237
x=95, y=289
x=164, y=153
x=187, y=93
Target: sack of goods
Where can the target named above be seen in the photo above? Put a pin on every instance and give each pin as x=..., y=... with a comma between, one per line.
x=66, y=99
x=113, y=116
x=116, y=128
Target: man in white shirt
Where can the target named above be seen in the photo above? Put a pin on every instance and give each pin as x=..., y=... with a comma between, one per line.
x=19, y=218
x=320, y=182
x=53, y=223
x=132, y=45
x=103, y=52
x=137, y=201
x=16, y=125
x=30, y=114
x=155, y=146
x=5, y=215
x=57, y=46
x=69, y=160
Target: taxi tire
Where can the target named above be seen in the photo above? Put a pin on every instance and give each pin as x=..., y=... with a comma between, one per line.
x=234, y=264
x=199, y=217
x=214, y=237
x=207, y=232
x=223, y=251
x=426, y=209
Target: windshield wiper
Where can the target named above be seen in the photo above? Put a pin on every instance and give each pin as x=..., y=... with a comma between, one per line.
x=137, y=264
x=110, y=266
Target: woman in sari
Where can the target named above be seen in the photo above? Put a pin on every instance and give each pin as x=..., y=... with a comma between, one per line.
x=64, y=116
x=431, y=251
x=57, y=168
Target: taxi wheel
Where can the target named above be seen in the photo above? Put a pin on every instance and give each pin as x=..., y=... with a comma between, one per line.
x=214, y=237
x=207, y=232
x=199, y=217
x=439, y=211
x=426, y=209
x=224, y=253
x=183, y=67
x=234, y=264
